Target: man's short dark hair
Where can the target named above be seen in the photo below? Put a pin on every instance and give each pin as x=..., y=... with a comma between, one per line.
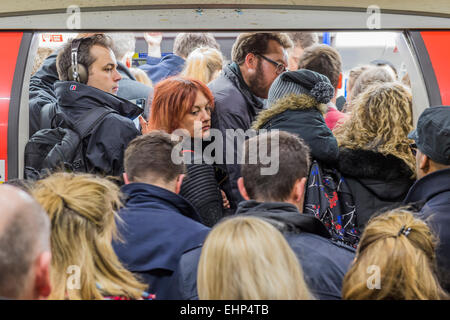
x=64, y=58
x=150, y=155
x=256, y=43
x=304, y=39
x=185, y=43
x=294, y=163
x=23, y=236
x=323, y=59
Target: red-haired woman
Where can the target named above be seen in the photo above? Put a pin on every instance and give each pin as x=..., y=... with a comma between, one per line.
x=183, y=103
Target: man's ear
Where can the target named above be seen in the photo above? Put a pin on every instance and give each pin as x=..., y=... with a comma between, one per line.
x=125, y=178
x=251, y=61
x=242, y=190
x=339, y=86
x=179, y=182
x=424, y=163
x=299, y=190
x=42, y=286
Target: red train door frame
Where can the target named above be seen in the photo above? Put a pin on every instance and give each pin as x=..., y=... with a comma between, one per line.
x=431, y=48
x=14, y=48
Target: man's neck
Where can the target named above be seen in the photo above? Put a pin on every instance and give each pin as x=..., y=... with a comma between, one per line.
x=244, y=76
x=299, y=206
x=157, y=183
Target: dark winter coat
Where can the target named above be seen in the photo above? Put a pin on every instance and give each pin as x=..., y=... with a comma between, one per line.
x=158, y=226
x=235, y=108
x=376, y=181
x=431, y=194
x=302, y=116
x=104, y=147
x=159, y=69
x=324, y=262
x=42, y=90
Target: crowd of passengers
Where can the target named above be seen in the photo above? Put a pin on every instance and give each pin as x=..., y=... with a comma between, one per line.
x=358, y=208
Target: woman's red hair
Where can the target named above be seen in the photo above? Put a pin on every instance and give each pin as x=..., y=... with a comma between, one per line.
x=173, y=98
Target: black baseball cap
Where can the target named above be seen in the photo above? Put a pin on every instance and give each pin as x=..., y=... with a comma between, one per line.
x=432, y=135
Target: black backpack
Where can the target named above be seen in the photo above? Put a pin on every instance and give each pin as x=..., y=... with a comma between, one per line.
x=60, y=147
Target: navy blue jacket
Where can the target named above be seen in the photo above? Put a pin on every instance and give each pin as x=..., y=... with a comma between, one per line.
x=158, y=227
x=432, y=194
x=159, y=69
x=324, y=262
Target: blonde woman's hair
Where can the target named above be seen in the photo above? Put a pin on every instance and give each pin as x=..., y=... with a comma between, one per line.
x=380, y=122
x=202, y=64
x=403, y=248
x=82, y=210
x=141, y=76
x=246, y=258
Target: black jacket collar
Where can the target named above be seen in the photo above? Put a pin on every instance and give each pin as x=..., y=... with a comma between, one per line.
x=284, y=216
x=139, y=194
x=429, y=186
x=74, y=95
x=365, y=164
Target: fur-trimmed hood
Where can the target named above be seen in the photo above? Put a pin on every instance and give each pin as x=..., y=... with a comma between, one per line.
x=291, y=102
x=302, y=115
x=365, y=164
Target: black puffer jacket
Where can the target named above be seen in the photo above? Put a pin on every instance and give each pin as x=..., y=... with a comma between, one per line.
x=302, y=115
x=324, y=262
x=376, y=181
x=105, y=146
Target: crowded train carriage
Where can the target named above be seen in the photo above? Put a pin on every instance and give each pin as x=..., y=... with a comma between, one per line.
x=225, y=152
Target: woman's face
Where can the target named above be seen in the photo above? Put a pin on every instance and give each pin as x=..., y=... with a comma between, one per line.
x=198, y=120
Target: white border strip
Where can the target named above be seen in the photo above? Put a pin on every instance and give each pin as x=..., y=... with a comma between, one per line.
x=221, y=19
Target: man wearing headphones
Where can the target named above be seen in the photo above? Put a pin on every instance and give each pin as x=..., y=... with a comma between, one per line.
x=87, y=89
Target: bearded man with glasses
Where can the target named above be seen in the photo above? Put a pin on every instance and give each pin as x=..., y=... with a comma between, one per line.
x=240, y=90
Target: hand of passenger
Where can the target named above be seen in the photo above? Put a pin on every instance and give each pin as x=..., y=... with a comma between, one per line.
x=226, y=203
x=145, y=127
x=153, y=38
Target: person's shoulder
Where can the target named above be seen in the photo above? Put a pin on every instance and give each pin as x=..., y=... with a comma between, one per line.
x=227, y=95
x=131, y=89
x=320, y=246
x=222, y=85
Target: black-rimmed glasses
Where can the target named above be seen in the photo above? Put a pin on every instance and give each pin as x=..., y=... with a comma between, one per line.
x=280, y=68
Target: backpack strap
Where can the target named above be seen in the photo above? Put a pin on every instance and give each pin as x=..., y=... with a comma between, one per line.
x=84, y=126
